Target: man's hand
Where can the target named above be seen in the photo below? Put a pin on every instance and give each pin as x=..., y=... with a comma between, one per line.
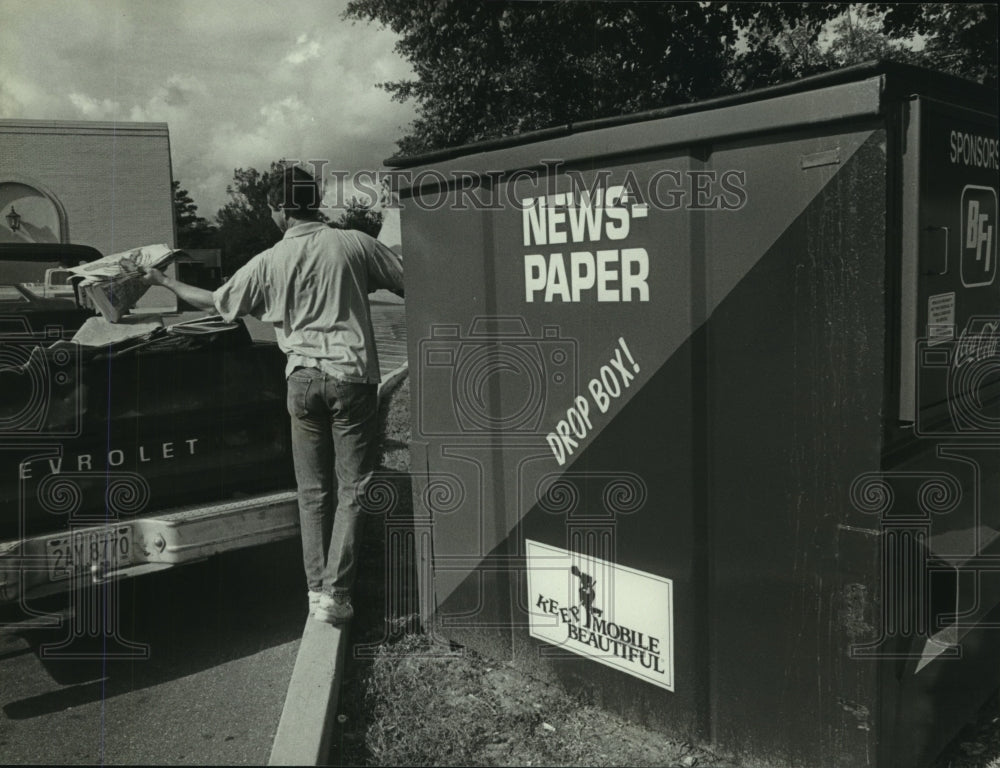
x=390, y=231
x=150, y=275
x=153, y=276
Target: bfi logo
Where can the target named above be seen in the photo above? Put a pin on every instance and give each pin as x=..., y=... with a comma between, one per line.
x=979, y=218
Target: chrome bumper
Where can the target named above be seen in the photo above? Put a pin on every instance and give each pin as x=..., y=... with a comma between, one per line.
x=173, y=537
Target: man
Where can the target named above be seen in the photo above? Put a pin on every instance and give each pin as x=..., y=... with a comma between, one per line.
x=313, y=286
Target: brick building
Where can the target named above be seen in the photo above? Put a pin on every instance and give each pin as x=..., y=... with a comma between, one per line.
x=107, y=185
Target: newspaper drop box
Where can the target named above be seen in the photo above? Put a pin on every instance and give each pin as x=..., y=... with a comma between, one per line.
x=705, y=411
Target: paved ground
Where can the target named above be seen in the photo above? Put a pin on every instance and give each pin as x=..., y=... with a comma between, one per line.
x=222, y=637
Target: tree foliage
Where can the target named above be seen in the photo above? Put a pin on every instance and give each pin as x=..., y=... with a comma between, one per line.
x=483, y=70
x=961, y=37
x=361, y=217
x=193, y=231
x=245, y=224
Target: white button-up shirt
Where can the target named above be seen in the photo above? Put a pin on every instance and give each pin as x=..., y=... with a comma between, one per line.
x=313, y=286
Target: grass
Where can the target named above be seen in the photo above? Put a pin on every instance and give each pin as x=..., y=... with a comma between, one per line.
x=394, y=423
x=408, y=702
x=439, y=706
x=978, y=744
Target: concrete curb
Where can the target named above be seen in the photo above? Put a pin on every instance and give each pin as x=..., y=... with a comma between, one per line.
x=303, y=736
x=391, y=379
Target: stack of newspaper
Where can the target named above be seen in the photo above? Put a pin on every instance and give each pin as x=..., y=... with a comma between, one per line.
x=113, y=285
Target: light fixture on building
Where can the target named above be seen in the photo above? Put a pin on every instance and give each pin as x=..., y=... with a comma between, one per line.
x=13, y=220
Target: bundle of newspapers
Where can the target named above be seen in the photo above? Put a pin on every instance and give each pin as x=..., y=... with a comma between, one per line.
x=114, y=284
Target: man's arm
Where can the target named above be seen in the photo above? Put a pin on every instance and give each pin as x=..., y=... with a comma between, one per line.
x=196, y=297
x=385, y=269
x=385, y=264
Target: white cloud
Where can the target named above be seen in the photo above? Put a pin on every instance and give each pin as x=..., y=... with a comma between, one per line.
x=288, y=110
x=21, y=97
x=307, y=49
x=94, y=109
x=278, y=130
x=172, y=100
x=9, y=104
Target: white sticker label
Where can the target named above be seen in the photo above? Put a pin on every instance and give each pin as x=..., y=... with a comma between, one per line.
x=614, y=615
x=940, y=318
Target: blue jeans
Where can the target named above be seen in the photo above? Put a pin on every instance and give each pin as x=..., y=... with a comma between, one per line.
x=333, y=447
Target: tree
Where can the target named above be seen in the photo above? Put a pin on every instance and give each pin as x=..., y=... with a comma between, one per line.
x=957, y=38
x=484, y=70
x=193, y=231
x=361, y=217
x=776, y=42
x=859, y=36
x=816, y=43
x=245, y=224
x=961, y=37
x=491, y=69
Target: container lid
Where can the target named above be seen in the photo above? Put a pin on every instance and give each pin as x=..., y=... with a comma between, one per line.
x=897, y=81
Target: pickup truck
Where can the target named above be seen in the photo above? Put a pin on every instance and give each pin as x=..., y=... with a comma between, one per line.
x=35, y=291
x=132, y=457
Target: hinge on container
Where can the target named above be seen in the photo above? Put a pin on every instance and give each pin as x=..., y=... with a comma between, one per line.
x=817, y=159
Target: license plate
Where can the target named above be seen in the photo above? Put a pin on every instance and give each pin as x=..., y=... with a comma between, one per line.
x=107, y=548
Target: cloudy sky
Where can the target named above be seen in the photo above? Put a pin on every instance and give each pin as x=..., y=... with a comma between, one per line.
x=239, y=82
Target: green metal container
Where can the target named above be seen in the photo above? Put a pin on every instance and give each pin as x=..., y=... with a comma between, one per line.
x=706, y=411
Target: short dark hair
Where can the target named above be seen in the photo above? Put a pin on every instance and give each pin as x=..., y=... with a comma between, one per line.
x=295, y=190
